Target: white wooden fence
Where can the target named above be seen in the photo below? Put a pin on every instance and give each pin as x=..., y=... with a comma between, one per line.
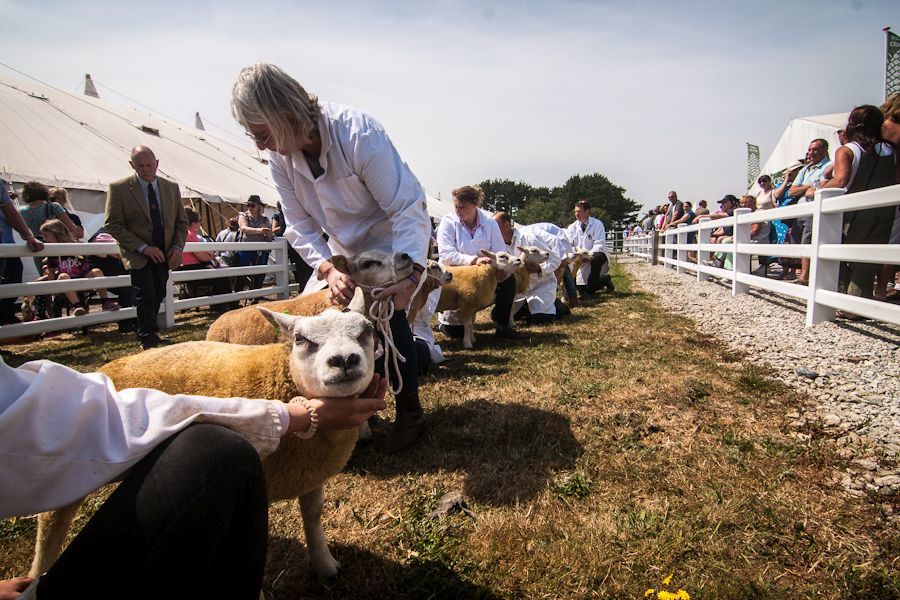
x=825, y=252
x=279, y=264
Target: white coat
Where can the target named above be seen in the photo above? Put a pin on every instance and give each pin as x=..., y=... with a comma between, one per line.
x=541, y=292
x=592, y=239
x=457, y=246
x=366, y=199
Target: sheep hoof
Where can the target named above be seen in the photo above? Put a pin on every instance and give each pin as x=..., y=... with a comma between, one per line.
x=327, y=567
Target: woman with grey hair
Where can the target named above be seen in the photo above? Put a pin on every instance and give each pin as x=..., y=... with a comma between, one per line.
x=339, y=174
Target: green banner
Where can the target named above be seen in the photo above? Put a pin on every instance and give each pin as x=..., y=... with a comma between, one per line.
x=752, y=164
x=892, y=65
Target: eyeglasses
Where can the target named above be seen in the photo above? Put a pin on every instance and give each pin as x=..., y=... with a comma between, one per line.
x=259, y=138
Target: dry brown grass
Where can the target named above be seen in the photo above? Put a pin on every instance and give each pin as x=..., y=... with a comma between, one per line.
x=597, y=457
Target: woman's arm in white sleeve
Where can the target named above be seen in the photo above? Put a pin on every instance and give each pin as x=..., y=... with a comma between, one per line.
x=448, y=253
x=63, y=434
x=301, y=230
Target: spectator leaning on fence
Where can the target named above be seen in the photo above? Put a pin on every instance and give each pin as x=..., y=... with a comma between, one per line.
x=11, y=267
x=864, y=163
x=254, y=227
x=810, y=178
x=674, y=210
x=890, y=132
x=40, y=208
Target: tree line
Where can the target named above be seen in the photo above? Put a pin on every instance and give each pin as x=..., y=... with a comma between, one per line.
x=528, y=204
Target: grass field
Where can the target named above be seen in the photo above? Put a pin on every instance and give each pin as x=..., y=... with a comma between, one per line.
x=596, y=458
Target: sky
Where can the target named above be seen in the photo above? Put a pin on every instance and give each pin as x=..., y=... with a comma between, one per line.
x=655, y=95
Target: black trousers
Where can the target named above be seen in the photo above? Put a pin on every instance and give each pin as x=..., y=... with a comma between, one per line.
x=302, y=271
x=403, y=339
x=594, y=281
x=190, y=520
x=10, y=272
x=505, y=294
x=149, y=291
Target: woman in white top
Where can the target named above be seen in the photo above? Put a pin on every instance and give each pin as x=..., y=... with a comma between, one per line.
x=338, y=173
x=461, y=236
x=193, y=491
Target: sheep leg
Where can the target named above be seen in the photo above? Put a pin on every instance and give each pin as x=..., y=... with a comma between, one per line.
x=468, y=332
x=53, y=526
x=320, y=558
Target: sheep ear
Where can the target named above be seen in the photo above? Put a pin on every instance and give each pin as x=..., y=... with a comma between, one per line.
x=489, y=254
x=283, y=322
x=341, y=263
x=358, y=303
x=521, y=249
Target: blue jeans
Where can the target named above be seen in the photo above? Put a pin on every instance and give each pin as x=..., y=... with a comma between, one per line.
x=248, y=258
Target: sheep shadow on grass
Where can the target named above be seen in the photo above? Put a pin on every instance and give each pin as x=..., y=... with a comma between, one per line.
x=508, y=452
x=363, y=575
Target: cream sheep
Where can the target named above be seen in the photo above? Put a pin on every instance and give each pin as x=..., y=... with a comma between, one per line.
x=369, y=269
x=473, y=288
x=436, y=276
x=331, y=356
x=530, y=255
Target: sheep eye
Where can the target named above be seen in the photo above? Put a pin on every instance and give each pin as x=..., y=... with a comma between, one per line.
x=299, y=340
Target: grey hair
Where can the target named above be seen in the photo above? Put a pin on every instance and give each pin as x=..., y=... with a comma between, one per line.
x=263, y=94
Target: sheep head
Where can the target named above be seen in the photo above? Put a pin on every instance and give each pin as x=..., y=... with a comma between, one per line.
x=503, y=262
x=436, y=276
x=532, y=255
x=332, y=354
x=374, y=267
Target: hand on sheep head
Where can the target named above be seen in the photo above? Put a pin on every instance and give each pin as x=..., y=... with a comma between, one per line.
x=341, y=413
x=482, y=260
x=341, y=287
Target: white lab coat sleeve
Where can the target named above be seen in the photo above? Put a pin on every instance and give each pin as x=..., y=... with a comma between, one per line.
x=302, y=231
x=396, y=190
x=63, y=434
x=448, y=252
x=599, y=237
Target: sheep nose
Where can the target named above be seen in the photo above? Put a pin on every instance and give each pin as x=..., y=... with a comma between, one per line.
x=344, y=362
x=404, y=256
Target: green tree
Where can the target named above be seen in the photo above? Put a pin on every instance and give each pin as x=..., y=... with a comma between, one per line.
x=608, y=201
x=506, y=195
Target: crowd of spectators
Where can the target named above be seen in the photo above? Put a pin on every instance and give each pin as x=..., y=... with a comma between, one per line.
x=45, y=215
x=865, y=159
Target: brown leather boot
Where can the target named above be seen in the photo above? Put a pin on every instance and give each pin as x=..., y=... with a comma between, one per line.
x=409, y=423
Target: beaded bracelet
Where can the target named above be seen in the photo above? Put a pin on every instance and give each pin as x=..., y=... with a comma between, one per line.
x=313, y=417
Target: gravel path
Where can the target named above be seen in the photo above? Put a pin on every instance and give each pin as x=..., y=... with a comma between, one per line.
x=851, y=371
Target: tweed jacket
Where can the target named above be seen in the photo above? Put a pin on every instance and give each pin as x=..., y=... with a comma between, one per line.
x=128, y=218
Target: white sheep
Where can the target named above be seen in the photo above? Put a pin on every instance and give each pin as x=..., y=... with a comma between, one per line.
x=473, y=288
x=331, y=356
x=368, y=269
x=530, y=255
x=436, y=275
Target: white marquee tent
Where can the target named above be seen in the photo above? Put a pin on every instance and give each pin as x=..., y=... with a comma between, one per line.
x=796, y=138
x=82, y=143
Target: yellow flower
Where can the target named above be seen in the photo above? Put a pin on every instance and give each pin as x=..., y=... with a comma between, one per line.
x=682, y=595
x=668, y=579
x=649, y=592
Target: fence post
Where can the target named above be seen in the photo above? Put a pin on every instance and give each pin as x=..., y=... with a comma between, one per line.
x=740, y=263
x=680, y=251
x=702, y=238
x=168, y=316
x=282, y=277
x=823, y=274
x=654, y=260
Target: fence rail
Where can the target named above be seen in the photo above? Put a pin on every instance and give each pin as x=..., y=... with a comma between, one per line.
x=825, y=252
x=279, y=265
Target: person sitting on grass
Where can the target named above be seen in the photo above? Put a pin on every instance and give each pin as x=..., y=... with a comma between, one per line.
x=71, y=267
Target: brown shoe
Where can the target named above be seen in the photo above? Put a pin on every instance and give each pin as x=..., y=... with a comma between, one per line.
x=406, y=429
x=572, y=301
